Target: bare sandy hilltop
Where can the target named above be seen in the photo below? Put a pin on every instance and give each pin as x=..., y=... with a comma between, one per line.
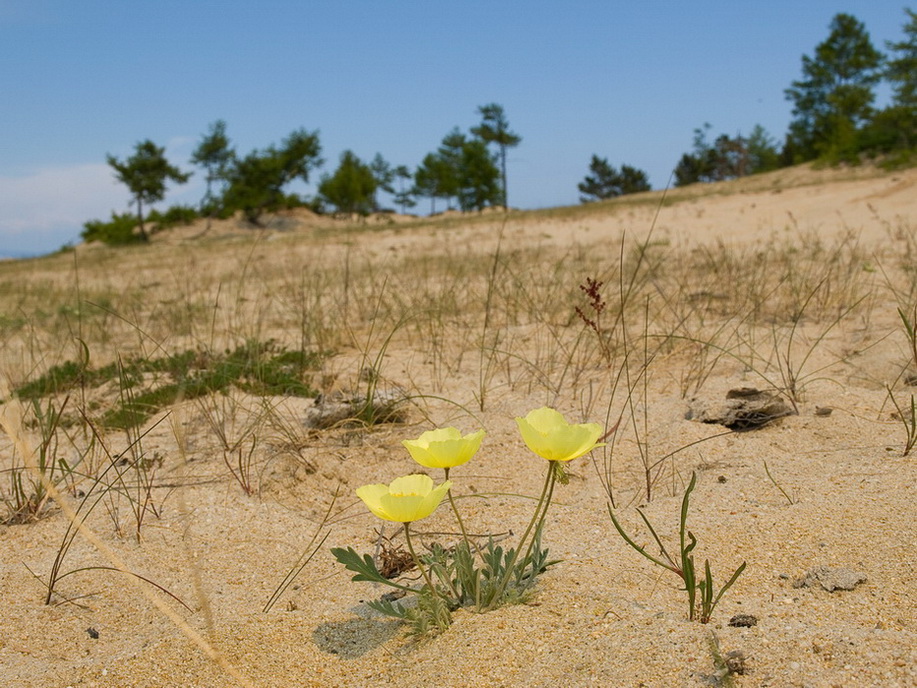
x=185, y=425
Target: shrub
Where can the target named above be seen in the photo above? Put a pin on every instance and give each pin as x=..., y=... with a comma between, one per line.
x=121, y=230
x=173, y=217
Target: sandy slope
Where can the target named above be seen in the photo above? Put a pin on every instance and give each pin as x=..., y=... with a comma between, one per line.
x=602, y=617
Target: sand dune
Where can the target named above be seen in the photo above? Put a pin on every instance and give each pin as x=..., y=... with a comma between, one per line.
x=797, y=272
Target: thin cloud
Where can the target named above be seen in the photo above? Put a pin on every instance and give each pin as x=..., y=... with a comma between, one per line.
x=41, y=211
x=56, y=196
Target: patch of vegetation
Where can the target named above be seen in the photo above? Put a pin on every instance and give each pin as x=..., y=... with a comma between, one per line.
x=175, y=216
x=119, y=231
x=259, y=368
x=11, y=322
x=702, y=594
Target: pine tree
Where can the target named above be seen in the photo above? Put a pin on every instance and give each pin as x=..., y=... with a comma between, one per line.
x=216, y=156
x=256, y=182
x=834, y=98
x=384, y=175
x=479, y=184
x=145, y=174
x=404, y=196
x=352, y=187
x=901, y=70
x=606, y=182
x=494, y=128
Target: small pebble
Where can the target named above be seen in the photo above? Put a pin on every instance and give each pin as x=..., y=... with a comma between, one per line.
x=743, y=621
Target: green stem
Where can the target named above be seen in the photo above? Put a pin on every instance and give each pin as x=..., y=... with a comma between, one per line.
x=544, y=511
x=548, y=487
x=461, y=524
x=458, y=516
x=417, y=562
x=459, y=519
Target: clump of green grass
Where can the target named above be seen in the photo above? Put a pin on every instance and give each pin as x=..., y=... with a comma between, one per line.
x=28, y=498
x=259, y=368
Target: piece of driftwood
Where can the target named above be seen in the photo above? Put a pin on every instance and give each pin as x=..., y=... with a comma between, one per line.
x=745, y=408
x=340, y=409
x=830, y=579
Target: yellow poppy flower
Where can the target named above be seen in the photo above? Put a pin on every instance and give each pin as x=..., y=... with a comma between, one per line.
x=548, y=434
x=444, y=448
x=406, y=499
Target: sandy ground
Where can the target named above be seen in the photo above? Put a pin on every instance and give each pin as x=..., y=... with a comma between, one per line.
x=603, y=616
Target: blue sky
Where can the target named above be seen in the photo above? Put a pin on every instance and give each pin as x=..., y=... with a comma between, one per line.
x=624, y=80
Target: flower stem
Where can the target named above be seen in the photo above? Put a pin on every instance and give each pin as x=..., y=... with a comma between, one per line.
x=458, y=516
x=548, y=488
x=544, y=511
x=417, y=562
x=461, y=524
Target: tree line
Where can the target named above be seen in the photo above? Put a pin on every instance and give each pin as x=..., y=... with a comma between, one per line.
x=467, y=171
x=834, y=120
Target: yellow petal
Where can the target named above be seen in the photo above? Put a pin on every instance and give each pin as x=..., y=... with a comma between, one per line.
x=444, y=448
x=433, y=499
x=406, y=499
x=547, y=433
x=416, y=484
x=546, y=420
x=404, y=508
x=372, y=498
x=438, y=435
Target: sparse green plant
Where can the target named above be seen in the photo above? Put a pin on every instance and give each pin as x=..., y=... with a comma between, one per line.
x=239, y=460
x=371, y=405
x=490, y=337
x=909, y=322
x=312, y=548
x=28, y=496
x=907, y=415
x=11, y=424
x=631, y=378
x=702, y=595
x=238, y=439
x=770, y=476
x=109, y=480
x=792, y=371
x=906, y=412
